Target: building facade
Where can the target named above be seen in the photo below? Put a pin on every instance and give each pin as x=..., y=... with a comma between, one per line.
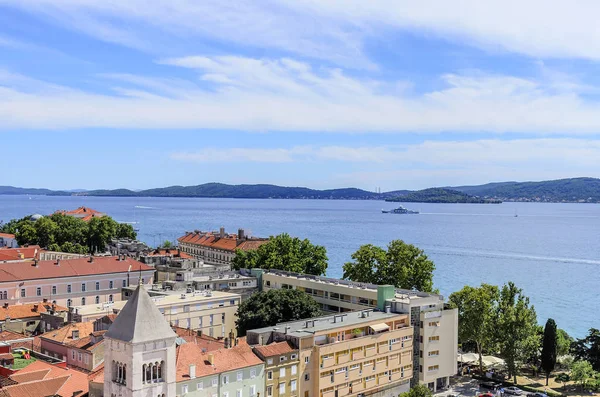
x=8, y=240
x=70, y=282
x=281, y=367
x=435, y=326
x=217, y=248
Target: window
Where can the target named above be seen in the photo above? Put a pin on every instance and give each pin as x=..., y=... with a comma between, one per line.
x=124, y=283
x=83, y=301
x=434, y=338
x=282, y=358
x=252, y=373
x=86, y=359
x=281, y=372
x=221, y=304
x=240, y=376
x=238, y=393
x=199, y=386
x=184, y=389
x=269, y=391
x=225, y=379
x=294, y=369
x=269, y=361
x=38, y=291
x=225, y=394
x=54, y=290
x=82, y=287
x=434, y=324
x=22, y=292
x=306, y=359
x=306, y=376
x=252, y=390
x=186, y=308
x=232, y=302
x=111, y=284
x=270, y=375
x=281, y=388
x=73, y=354
x=110, y=298
x=434, y=353
x=293, y=356
x=79, y=357
x=433, y=368
x=215, y=381
x=293, y=385
x=97, y=285
x=69, y=303
x=97, y=299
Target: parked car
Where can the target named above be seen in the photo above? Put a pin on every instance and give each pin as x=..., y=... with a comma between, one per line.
x=486, y=395
x=537, y=394
x=489, y=385
x=513, y=390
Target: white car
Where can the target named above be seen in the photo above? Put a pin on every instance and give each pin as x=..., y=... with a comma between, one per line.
x=513, y=390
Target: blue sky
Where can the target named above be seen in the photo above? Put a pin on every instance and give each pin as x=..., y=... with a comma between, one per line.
x=329, y=93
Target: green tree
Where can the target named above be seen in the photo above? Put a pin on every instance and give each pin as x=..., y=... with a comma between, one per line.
x=515, y=327
x=476, y=309
x=100, y=232
x=45, y=230
x=563, y=342
x=549, y=348
x=26, y=233
x=69, y=229
x=581, y=372
x=125, y=230
x=562, y=378
x=268, y=308
x=402, y=265
x=284, y=252
x=167, y=244
x=418, y=391
x=588, y=348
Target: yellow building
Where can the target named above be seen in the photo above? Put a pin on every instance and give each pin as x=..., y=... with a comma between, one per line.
x=281, y=368
x=358, y=353
x=212, y=312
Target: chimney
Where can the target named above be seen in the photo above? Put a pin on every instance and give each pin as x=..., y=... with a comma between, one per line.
x=241, y=234
x=75, y=334
x=192, y=371
x=226, y=343
x=200, y=333
x=222, y=232
x=35, y=262
x=211, y=358
x=57, y=263
x=91, y=259
x=5, y=305
x=287, y=328
x=35, y=307
x=237, y=340
x=45, y=300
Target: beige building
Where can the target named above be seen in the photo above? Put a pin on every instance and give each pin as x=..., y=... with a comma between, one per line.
x=435, y=326
x=359, y=353
x=281, y=368
x=211, y=312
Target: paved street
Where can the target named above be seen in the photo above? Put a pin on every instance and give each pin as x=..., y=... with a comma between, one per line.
x=465, y=386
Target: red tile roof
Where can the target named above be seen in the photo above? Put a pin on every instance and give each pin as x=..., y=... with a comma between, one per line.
x=64, y=335
x=16, y=271
x=172, y=252
x=37, y=388
x=7, y=235
x=205, y=342
x=237, y=357
x=28, y=310
x=75, y=383
x=275, y=349
x=20, y=254
x=83, y=213
x=6, y=336
x=230, y=242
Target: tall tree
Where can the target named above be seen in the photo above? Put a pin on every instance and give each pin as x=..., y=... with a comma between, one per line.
x=284, y=252
x=46, y=230
x=549, y=348
x=268, y=308
x=563, y=342
x=100, y=231
x=588, y=348
x=476, y=310
x=402, y=265
x=515, y=327
x=581, y=372
x=26, y=233
x=418, y=391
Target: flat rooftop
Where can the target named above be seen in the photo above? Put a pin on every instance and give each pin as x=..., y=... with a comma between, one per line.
x=170, y=298
x=326, y=323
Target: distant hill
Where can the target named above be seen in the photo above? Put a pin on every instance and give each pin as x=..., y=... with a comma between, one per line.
x=440, y=195
x=560, y=190
x=24, y=190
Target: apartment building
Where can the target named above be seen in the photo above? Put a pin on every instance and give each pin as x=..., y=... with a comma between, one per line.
x=366, y=353
x=281, y=367
x=70, y=282
x=77, y=344
x=8, y=240
x=435, y=326
x=211, y=312
x=217, y=248
x=32, y=318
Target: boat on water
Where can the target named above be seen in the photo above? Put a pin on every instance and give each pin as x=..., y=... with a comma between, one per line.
x=400, y=210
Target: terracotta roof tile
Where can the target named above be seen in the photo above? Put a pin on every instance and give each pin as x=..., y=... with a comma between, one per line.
x=64, y=335
x=7, y=235
x=16, y=271
x=240, y=356
x=28, y=310
x=20, y=254
x=275, y=349
x=30, y=376
x=75, y=385
x=229, y=242
x=39, y=388
x=10, y=335
x=170, y=252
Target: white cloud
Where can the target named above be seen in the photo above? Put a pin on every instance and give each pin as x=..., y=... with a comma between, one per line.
x=287, y=95
x=335, y=30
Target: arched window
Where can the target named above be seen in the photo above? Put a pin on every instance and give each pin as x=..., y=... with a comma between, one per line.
x=160, y=366
x=83, y=301
x=144, y=373
x=148, y=373
x=69, y=302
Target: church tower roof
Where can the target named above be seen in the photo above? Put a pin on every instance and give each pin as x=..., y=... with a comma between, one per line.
x=140, y=321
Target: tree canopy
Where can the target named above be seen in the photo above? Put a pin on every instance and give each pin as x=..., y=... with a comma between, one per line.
x=402, y=265
x=476, y=310
x=418, y=391
x=268, y=308
x=582, y=372
x=284, y=252
x=59, y=232
x=588, y=348
x=549, y=348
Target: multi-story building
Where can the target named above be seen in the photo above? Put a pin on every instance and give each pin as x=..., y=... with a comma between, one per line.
x=435, y=326
x=77, y=344
x=32, y=318
x=210, y=312
x=8, y=240
x=70, y=282
x=281, y=368
x=366, y=353
x=242, y=283
x=217, y=248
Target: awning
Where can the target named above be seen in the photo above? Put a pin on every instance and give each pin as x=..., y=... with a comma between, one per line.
x=379, y=327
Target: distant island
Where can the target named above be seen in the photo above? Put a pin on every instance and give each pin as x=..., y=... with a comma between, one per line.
x=441, y=195
x=573, y=190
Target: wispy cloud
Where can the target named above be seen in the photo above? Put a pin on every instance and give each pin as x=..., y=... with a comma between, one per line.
x=287, y=95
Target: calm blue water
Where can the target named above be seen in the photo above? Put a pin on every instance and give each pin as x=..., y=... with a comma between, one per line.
x=552, y=251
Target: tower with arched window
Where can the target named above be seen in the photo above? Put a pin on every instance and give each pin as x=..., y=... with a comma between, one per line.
x=140, y=351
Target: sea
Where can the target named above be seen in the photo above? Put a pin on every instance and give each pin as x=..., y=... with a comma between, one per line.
x=551, y=251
